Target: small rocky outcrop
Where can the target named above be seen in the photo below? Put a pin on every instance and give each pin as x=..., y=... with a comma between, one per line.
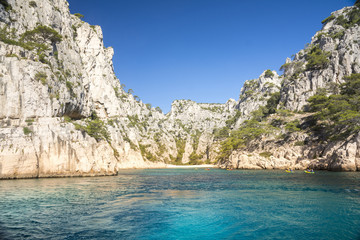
x=255, y=93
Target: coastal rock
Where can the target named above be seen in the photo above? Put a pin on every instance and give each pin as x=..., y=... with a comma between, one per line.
x=256, y=92
x=340, y=44
x=65, y=113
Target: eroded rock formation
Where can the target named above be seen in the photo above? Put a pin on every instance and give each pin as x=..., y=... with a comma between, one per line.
x=63, y=112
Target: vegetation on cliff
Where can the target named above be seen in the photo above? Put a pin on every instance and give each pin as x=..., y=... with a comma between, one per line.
x=6, y=5
x=317, y=59
x=337, y=115
x=94, y=127
x=249, y=130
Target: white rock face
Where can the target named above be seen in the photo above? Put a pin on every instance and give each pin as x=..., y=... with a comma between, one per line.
x=299, y=150
x=342, y=46
x=63, y=112
x=256, y=92
x=49, y=96
x=301, y=80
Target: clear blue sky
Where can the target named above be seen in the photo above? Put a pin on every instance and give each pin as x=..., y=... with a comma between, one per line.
x=201, y=50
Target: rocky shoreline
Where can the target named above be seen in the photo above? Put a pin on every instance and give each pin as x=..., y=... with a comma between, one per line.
x=66, y=113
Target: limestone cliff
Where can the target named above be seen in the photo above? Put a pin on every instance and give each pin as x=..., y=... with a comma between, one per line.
x=293, y=140
x=339, y=42
x=255, y=93
x=63, y=112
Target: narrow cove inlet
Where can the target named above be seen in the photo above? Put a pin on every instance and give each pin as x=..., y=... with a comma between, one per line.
x=255, y=144
x=184, y=204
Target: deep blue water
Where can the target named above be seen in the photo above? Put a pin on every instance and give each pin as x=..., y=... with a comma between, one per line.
x=183, y=204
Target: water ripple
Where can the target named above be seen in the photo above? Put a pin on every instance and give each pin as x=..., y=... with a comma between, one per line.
x=183, y=204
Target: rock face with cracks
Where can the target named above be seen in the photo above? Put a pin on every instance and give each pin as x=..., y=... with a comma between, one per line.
x=63, y=112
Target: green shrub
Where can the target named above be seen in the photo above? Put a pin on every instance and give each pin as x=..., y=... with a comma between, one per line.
x=196, y=138
x=248, y=131
x=32, y=4
x=269, y=73
x=95, y=128
x=37, y=38
x=27, y=131
x=285, y=67
x=328, y=19
x=249, y=93
x=299, y=143
x=158, y=109
x=6, y=5
x=231, y=121
x=338, y=115
x=284, y=112
x=266, y=154
x=41, y=77
x=277, y=122
x=75, y=34
x=42, y=34
x=221, y=133
x=116, y=90
x=212, y=109
x=134, y=120
x=7, y=38
x=293, y=126
x=111, y=122
x=137, y=98
x=67, y=118
x=352, y=18
x=297, y=68
x=259, y=114
x=194, y=159
x=68, y=73
x=79, y=15
x=93, y=27
x=69, y=85
x=148, y=106
x=351, y=87
x=116, y=153
x=180, y=146
x=251, y=84
x=342, y=21
x=317, y=59
x=161, y=148
x=338, y=34
x=42, y=58
x=12, y=55
x=272, y=103
x=29, y=121
x=146, y=154
x=357, y=3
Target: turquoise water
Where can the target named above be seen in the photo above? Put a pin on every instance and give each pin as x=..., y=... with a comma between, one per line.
x=183, y=204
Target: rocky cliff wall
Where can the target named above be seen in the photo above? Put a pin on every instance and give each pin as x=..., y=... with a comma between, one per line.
x=63, y=112
x=72, y=79
x=332, y=54
x=339, y=43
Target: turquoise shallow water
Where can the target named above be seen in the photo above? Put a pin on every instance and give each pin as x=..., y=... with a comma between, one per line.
x=183, y=204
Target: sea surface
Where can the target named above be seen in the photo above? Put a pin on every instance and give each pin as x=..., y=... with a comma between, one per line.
x=184, y=204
